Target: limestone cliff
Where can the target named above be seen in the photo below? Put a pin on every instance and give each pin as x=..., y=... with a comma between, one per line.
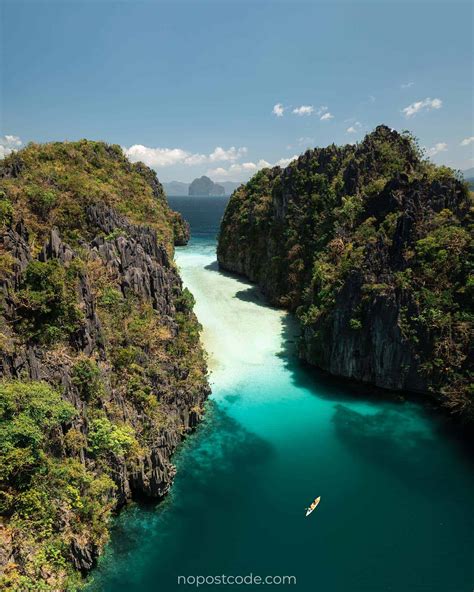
x=371, y=246
x=103, y=372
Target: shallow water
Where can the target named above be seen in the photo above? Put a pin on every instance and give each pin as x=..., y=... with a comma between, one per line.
x=396, y=487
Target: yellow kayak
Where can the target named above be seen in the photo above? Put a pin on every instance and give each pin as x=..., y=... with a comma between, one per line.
x=313, y=506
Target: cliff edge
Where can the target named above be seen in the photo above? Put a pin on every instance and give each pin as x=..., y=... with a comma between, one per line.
x=102, y=368
x=371, y=246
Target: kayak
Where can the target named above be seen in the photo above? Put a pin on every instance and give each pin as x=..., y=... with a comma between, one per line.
x=313, y=506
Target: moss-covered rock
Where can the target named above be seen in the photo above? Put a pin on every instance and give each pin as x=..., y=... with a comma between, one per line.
x=371, y=246
x=102, y=368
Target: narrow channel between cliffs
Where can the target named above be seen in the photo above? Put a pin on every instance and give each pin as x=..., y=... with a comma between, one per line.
x=395, y=486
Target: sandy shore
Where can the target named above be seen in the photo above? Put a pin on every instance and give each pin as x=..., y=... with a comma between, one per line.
x=239, y=329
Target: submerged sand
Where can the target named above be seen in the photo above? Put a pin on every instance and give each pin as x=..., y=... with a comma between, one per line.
x=239, y=330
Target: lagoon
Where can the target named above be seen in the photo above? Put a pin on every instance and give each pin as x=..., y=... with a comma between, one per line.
x=396, y=485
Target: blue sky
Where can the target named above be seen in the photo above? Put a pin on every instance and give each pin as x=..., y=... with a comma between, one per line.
x=190, y=87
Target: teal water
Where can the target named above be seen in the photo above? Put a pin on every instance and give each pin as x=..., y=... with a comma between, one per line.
x=396, y=486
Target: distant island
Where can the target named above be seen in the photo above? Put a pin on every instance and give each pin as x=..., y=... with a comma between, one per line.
x=469, y=177
x=176, y=188
x=205, y=187
x=468, y=173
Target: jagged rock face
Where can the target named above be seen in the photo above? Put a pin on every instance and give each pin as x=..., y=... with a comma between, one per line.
x=119, y=313
x=182, y=231
x=369, y=245
x=142, y=267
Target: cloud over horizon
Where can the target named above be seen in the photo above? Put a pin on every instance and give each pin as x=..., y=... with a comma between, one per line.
x=237, y=171
x=436, y=149
x=159, y=158
x=164, y=157
x=424, y=105
x=243, y=171
x=9, y=144
x=354, y=128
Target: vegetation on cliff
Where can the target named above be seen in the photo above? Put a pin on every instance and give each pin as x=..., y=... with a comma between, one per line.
x=101, y=364
x=371, y=246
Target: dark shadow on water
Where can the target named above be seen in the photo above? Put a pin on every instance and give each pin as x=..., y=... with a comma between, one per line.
x=397, y=445
x=212, y=464
x=303, y=374
x=214, y=266
x=252, y=294
x=324, y=385
x=341, y=390
x=222, y=446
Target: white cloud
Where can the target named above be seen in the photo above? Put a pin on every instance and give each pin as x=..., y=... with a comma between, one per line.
x=467, y=141
x=322, y=112
x=407, y=84
x=163, y=157
x=11, y=140
x=242, y=171
x=303, y=110
x=195, y=159
x=157, y=157
x=427, y=104
x=233, y=154
x=436, y=149
x=278, y=110
x=9, y=144
x=284, y=162
x=353, y=129
x=237, y=171
x=262, y=164
x=305, y=141
x=326, y=116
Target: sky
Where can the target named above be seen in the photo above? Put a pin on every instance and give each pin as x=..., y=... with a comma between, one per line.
x=225, y=88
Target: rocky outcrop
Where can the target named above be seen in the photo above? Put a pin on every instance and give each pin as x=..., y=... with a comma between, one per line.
x=104, y=320
x=204, y=187
x=182, y=231
x=369, y=246
x=142, y=268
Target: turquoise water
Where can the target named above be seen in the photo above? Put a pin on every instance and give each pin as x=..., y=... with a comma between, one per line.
x=396, y=487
